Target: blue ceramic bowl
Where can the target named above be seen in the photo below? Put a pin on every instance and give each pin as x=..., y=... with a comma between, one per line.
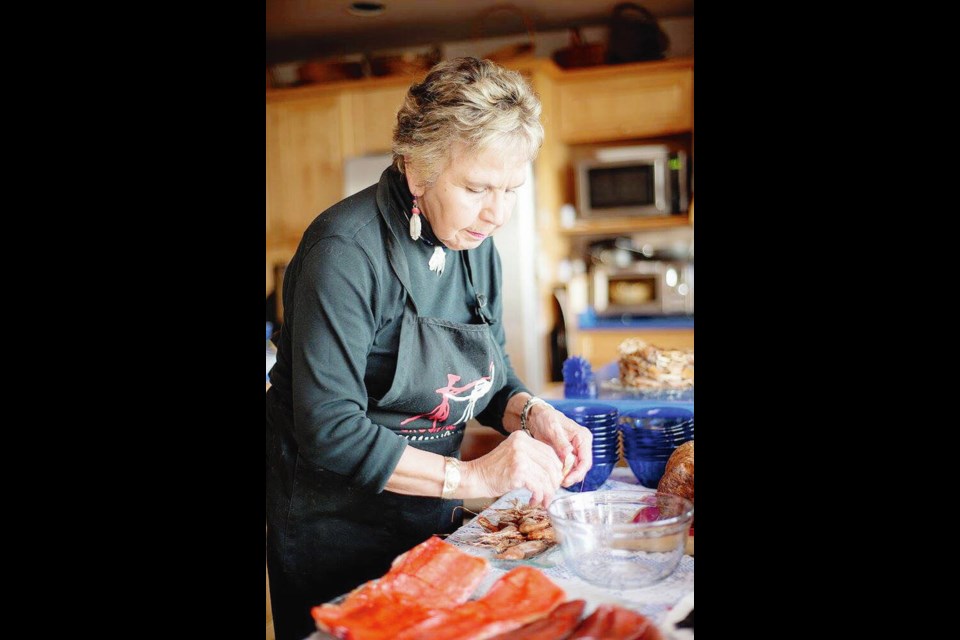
x=656, y=427
x=606, y=456
x=604, y=432
x=658, y=416
x=585, y=413
x=648, y=472
x=630, y=454
x=597, y=475
x=606, y=439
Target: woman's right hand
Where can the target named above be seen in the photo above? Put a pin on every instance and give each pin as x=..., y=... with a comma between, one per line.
x=519, y=461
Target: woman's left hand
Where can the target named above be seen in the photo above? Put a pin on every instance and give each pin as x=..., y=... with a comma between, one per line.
x=566, y=437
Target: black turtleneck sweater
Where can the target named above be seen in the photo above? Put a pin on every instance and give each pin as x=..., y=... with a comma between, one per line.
x=343, y=303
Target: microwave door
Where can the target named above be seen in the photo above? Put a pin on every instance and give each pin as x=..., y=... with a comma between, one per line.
x=661, y=186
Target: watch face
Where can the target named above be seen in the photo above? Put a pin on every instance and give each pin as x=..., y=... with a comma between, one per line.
x=451, y=476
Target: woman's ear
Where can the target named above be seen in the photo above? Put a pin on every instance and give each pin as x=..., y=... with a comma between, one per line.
x=414, y=178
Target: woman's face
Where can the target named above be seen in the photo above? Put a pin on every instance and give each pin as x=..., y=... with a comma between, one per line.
x=472, y=197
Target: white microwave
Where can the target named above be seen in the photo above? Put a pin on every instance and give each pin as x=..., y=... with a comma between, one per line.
x=619, y=182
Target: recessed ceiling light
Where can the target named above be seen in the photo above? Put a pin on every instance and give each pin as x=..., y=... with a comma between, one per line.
x=365, y=9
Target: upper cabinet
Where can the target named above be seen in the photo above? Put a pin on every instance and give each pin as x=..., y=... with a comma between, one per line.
x=371, y=117
x=311, y=130
x=304, y=163
x=639, y=100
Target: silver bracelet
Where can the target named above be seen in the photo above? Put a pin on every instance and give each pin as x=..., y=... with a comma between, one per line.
x=534, y=400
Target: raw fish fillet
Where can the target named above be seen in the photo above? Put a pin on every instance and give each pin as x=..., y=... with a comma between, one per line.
x=431, y=576
x=520, y=596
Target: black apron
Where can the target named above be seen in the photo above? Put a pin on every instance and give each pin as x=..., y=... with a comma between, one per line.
x=325, y=536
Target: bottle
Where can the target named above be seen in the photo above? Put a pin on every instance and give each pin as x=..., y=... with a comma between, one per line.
x=271, y=351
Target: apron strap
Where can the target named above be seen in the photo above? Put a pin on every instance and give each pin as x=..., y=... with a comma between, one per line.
x=480, y=308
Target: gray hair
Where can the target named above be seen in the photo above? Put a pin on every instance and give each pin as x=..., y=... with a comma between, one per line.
x=466, y=100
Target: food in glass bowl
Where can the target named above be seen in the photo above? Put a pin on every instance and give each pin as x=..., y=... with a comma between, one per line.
x=603, y=540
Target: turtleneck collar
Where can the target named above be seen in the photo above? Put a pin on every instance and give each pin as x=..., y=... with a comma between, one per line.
x=401, y=201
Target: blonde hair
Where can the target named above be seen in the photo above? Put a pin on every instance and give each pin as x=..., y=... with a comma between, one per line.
x=470, y=101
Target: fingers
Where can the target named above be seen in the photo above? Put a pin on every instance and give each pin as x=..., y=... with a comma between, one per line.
x=568, y=461
x=583, y=446
x=521, y=461
x=544, y=475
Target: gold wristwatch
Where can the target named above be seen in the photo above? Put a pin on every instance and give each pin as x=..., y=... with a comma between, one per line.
x=451, y=477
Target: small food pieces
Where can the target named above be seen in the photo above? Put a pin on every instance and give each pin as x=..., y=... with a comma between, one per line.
x=610, y=622
x=523, y=550
x=645, y=366
x=431, y=575
x=678, y=475
x=518, y=532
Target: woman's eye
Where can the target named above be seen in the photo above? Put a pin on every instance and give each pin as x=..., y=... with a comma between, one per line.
x=472, y=190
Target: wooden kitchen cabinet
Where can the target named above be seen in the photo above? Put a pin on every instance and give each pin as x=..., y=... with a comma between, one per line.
x=304, y=163
x=311, y=131
x=369, y=122
x=619, y=102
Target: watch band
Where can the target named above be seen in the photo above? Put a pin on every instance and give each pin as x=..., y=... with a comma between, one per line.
x=451, y=477
x=533, y=401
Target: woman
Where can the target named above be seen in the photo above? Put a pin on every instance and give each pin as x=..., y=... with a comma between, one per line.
x=392, y=340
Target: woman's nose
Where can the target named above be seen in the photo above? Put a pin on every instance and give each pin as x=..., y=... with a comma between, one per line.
x=496, y=209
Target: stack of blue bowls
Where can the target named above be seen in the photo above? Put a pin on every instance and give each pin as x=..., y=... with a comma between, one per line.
x=601, y=420
x=649, y=437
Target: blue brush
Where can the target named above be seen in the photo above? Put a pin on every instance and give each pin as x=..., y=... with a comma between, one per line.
x=578, y=381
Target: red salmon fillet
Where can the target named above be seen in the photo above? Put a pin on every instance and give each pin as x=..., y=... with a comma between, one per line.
x=432, y=575
x=559, y=624
x=611, y=622
x=522, y=595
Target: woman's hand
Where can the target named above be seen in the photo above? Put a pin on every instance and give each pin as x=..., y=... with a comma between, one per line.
x=565, y=436
x=519, y=461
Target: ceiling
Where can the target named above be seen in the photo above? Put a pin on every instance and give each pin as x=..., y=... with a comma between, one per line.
x=302, y=29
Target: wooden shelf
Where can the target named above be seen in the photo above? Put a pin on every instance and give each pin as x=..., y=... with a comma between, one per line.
x=623, y=225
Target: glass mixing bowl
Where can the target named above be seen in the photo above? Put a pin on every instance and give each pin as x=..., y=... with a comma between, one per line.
x=621, y=538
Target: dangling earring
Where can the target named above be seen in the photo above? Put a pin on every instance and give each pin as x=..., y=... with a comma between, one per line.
x=415, y=221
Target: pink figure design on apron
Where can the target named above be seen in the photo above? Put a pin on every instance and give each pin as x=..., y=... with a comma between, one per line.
x=450, y=392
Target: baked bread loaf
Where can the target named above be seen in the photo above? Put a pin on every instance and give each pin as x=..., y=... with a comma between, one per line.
x=678, y=476
x=646, y=366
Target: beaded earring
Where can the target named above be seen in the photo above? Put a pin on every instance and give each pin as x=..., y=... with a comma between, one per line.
x=415, y=221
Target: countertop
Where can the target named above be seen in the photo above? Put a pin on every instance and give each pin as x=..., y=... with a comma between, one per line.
x=666, y=602
x=662, y=602
x=590, y=321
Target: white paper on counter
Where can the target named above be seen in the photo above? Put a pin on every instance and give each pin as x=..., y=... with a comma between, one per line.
x=655, y=601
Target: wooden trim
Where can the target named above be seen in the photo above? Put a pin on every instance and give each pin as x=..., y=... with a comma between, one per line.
x=606, y=226
x=604, y=70
x=314, y=90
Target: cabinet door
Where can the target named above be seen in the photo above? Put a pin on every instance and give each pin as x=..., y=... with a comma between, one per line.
x=304, y=163
x=371, y=119
x=607, y=105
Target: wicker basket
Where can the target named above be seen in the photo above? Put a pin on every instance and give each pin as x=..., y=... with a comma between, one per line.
x=317, y=71
x=404, y=65
x=510, y=51
x=580, y=54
